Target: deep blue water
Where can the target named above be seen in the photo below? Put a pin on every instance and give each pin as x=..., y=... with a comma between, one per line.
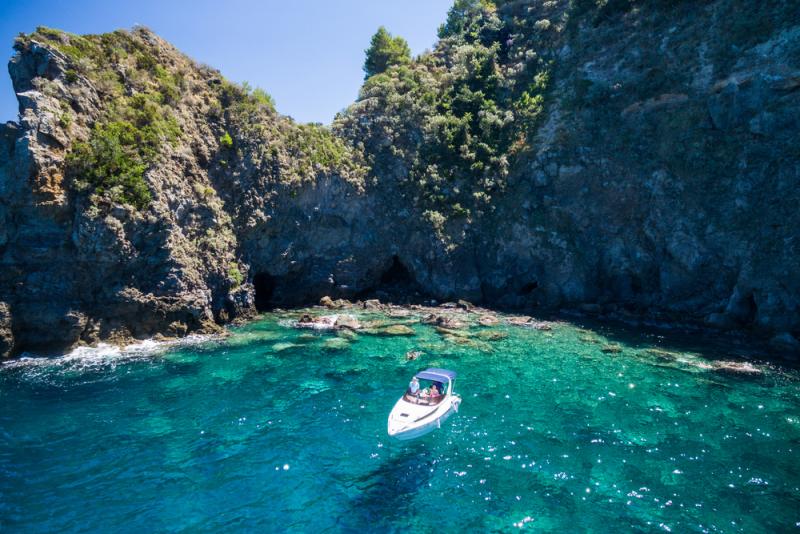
x=274, y=429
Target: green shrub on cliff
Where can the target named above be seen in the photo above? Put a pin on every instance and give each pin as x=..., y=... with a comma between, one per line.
x=226, y=141
x=120, y=149
x=110, y=163
x=235, y=275
x=263, y=98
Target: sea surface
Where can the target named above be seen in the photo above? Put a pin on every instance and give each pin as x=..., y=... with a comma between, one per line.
x=279, y=429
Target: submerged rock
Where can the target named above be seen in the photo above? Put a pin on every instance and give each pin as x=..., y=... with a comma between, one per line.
x=443, y=321
x=529, y=322
x=488, y=320
x=396, y=330
x=452, y=332
x=664, y=355
x=347, y=321
x=335, y=343
x=611, y=349
x=468, y=342
x=492, y=335
x=284, y=346
x=347, y=334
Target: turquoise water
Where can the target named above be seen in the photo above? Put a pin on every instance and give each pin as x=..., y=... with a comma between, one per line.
x=275, y=429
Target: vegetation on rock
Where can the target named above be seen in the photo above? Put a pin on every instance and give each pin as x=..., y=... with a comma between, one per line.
x=385, y=51
x=457, y=118
x=130, y=136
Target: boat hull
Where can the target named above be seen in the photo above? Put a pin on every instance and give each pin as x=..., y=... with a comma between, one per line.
x=400, y=430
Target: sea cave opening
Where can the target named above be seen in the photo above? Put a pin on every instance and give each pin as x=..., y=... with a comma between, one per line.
x=395, y=283
x=264, y=285
x=528, y=288
x=397, y=274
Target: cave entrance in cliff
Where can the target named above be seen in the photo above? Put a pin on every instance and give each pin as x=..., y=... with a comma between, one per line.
x=528, y=288
x=397, y=274
x=395, y=284
x=264, y=285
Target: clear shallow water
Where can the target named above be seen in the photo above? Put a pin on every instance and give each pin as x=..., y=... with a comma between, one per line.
x=275, y=429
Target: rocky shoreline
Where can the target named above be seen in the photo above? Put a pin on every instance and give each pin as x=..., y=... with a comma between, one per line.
x=466, y=324
x=473, y=327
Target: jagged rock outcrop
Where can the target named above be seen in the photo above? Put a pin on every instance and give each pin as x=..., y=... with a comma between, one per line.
x=627, y=160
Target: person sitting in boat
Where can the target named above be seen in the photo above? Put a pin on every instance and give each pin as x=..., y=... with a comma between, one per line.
x=432, y=395
x=413, y=387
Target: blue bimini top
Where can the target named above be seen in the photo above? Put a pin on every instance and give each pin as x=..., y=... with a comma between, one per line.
x=436, y=374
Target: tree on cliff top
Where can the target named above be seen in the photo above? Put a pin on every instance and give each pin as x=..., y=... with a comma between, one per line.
x=462, y=15
x=385, y=51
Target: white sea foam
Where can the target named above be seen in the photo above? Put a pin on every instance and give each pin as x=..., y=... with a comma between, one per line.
x=102, y=354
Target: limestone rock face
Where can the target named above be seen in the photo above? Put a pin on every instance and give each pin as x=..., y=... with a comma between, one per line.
x=662, y=177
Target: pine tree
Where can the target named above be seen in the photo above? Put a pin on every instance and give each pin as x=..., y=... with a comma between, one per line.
x=385, y=51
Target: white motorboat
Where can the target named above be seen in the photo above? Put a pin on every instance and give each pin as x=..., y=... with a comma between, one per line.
x=424, y=405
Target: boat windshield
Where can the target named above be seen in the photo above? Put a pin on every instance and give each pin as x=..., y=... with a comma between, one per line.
x=425, y=392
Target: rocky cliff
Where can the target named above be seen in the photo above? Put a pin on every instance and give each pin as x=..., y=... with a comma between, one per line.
x=625, y=157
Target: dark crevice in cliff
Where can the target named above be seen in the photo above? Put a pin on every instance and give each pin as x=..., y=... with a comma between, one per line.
x=264, y=285
x=751, y=310
x=528, y=288
x=397, y=274
x=395, y=284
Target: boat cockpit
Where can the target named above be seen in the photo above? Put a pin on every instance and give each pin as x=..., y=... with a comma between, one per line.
x=428, y=389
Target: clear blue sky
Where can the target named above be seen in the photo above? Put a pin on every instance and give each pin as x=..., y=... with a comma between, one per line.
x=306, y=53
